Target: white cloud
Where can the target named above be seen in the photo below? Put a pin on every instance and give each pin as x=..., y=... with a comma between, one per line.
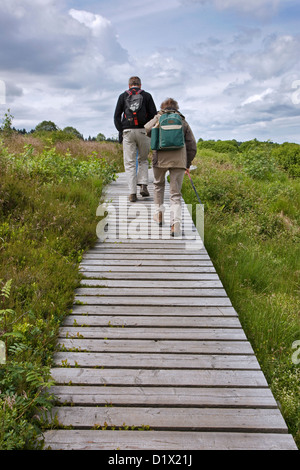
x=164, y=69
x=257, y=97
x=278, y=56
x=105, y=42
x=97, y=23
x=54, y=63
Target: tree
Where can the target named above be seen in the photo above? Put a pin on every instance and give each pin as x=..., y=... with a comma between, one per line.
x=48, y=126
x=100, y=137
x=7, y=121
x=74, y=132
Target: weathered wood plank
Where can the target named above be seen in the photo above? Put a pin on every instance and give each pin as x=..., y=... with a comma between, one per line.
x=166, y=440
x=136, y=300
x=111, y=248
x=165, y=361
x=157, y=292
x=238, y=419
x=146, y=275
x=144, y=262
x=167, y=246
x=154, y=321
x=146, y=230
x=191, y=244
x=161, y=378
x=162, y=284
x=154, y=269
x=162, y=346
x=182, y=334
x=175, y=242
x=145, y=256
x=183, y=310
x=166, y=396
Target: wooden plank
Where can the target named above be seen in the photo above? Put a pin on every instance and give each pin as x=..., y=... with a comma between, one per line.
x=161, y=346
x=238, y=419
x=166, y=440
x=165, y=361
x=111, y=248
x=154, y=321
x=141, y=213
x=145, y=256
x=157, y=292
x=158, y=310
x=182, y=334
x=149, y=246
x=175, y=242
x=146, y=275
x=162, y=283
x=141, y=219
x=144, y=262
x=166, y=396
x=145, y=234
x=161, y=378
x=149, y=269
x=137, y=300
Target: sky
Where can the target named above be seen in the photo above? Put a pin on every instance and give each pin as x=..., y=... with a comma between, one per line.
x=232, y=65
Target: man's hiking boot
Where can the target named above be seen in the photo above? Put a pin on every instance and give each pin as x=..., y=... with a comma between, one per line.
x=175, y=230
x=144, y=191
x=158, y=217
x=132, y=198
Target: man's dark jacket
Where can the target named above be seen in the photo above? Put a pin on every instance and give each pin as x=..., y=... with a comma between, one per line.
x=120, y=120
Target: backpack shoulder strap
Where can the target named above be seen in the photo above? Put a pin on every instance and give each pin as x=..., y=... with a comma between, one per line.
x=136, y=93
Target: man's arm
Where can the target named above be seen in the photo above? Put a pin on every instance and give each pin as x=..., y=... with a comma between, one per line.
x=118, y=113
x=191, y=145
x=151, y=108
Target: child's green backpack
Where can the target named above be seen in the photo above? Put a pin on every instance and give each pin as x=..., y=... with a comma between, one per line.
x=168, y=135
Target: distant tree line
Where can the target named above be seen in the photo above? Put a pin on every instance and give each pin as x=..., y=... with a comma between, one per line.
x=259, y=156
x=44, y=127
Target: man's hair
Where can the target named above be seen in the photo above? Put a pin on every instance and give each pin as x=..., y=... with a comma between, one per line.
x=169, y=103
x=134, y=81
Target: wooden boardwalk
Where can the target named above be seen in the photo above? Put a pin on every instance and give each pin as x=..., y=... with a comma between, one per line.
x=153, y=355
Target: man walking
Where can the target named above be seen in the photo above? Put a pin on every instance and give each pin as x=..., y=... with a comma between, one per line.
x=135, y=107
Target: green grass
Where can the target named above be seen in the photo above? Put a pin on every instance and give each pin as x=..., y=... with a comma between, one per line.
x=48, y=200
x=252, y=215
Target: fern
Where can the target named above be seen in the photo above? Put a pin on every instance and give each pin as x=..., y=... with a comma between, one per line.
x=5, y=290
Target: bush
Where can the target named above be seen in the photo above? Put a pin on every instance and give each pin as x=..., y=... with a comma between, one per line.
x=288, y=156
x=258, y=163
x=221, y=146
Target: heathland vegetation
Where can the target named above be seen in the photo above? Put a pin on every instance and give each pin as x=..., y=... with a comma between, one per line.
x=251, y=197
x=49, y=192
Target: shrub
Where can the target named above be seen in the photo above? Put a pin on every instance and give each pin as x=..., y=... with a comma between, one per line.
x=258, y=163
x=221, y=146
x=288, y=156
